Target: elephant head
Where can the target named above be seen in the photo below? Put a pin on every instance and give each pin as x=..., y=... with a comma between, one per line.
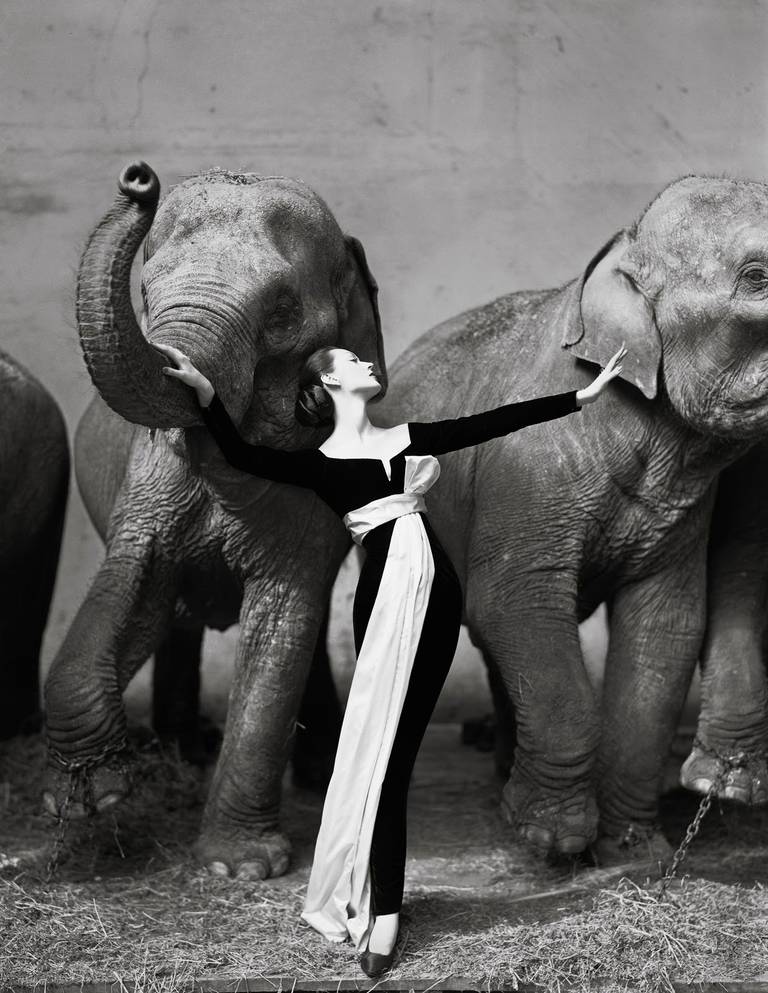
x=246, y=274
x=687, y=289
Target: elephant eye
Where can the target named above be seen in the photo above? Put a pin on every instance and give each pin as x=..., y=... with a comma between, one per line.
x=286, y=312
x=755, y=277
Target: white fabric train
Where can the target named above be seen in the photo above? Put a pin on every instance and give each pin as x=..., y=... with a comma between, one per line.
x=337, y=903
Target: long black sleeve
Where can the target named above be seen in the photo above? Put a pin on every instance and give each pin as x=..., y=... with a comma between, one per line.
x=436, y=437
x=299, y=468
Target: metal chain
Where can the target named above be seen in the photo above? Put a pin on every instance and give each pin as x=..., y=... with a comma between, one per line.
x=62, y=824
x=78, y=771
x=690, y=833
x=727, y=763
x=76, y=765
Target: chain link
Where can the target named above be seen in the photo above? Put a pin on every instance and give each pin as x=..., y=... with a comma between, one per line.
x=62, y=823
x=726, y=764
x=76, y=765
x=78, y=771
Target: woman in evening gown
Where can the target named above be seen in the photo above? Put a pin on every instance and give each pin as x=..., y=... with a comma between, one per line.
x=406, y=615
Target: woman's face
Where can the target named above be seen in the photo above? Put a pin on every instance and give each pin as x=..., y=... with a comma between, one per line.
x=351, y=374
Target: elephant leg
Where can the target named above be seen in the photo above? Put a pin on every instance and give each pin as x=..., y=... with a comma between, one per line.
x=27, y=583
x=656, y=629
x=122, y=619
x=733, y=722
x=531, y=634
x=176, y=695
x=319, y=722
x=240, y=832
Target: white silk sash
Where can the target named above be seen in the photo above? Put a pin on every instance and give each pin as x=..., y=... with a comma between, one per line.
x=337, y=903
x=359, y=522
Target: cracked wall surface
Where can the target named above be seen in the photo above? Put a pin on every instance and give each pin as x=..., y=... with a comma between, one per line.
x=474, y=147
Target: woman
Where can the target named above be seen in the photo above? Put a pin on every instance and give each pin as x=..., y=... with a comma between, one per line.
x=406, y=615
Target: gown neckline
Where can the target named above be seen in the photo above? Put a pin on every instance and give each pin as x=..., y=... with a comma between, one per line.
x=386, y=464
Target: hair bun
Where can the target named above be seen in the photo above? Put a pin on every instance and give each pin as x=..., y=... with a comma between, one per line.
x=313, y=406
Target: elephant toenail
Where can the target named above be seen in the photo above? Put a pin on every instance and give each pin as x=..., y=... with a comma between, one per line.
x=218, y=868
x=280, y=865
x=255, y=869
x=701, y=785
x=50, y=805
x=537, y=836
x=109, y=800
x=571, y=845
x=736, y=793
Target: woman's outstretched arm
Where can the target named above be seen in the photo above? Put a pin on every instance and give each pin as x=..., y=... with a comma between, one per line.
x=298, y=468
x=437, y=437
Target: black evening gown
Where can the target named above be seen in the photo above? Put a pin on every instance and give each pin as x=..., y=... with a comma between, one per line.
x=406, y=619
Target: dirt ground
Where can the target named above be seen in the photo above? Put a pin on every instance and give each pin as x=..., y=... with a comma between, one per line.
x=128, y=900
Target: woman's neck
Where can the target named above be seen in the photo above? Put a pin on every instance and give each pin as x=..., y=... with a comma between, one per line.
x=351, y=418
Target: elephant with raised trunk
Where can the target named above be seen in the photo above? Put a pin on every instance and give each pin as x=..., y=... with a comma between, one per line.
x=247, y=275
x=613, y=506
x=34, y=484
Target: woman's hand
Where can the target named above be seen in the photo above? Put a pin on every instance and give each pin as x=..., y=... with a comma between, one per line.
x=612, y=369
x=187, y=373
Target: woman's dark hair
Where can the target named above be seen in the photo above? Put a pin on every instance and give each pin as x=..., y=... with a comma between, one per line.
x=314, y=406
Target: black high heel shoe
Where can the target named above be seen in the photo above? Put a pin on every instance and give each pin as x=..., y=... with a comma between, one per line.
x=374, y=964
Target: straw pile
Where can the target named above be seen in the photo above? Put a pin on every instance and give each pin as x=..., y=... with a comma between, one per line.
x=128, y=902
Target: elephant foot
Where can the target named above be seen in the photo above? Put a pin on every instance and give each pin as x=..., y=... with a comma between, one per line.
x=261, y=857
x=561, y=823
x=78, y=790
x=740, y=776
x=643, y=844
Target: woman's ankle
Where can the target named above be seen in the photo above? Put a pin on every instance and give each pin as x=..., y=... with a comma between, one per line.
x=384, y=933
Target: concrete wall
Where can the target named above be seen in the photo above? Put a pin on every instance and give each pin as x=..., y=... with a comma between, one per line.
x=474, y=147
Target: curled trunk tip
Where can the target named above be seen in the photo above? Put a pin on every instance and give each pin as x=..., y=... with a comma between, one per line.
x=139, y=182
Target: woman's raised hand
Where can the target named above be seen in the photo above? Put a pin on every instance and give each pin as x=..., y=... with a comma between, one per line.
x=611, y=371
x=187, y=373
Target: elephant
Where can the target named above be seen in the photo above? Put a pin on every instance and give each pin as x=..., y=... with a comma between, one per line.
x=731, y=746
x=611, y=505
x=34, y=489
x=248, y=275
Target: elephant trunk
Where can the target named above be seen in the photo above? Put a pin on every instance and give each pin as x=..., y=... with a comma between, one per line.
x=124, y=367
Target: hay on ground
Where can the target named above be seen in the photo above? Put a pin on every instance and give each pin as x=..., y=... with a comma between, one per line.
x=128, y=901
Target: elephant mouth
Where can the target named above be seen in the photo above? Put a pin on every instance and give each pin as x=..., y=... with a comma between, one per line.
x=747, y=419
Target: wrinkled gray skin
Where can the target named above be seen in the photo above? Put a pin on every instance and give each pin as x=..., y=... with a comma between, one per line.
x=34, y=481
x=247, y=276
x=611, y=504
x=733, y=722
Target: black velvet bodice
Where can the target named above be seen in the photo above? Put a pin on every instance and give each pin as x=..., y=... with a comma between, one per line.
x=346, y=484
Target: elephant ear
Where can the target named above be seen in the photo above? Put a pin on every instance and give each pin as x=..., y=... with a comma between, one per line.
x=611, y=310
x=359, y=320
x=367, y=295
